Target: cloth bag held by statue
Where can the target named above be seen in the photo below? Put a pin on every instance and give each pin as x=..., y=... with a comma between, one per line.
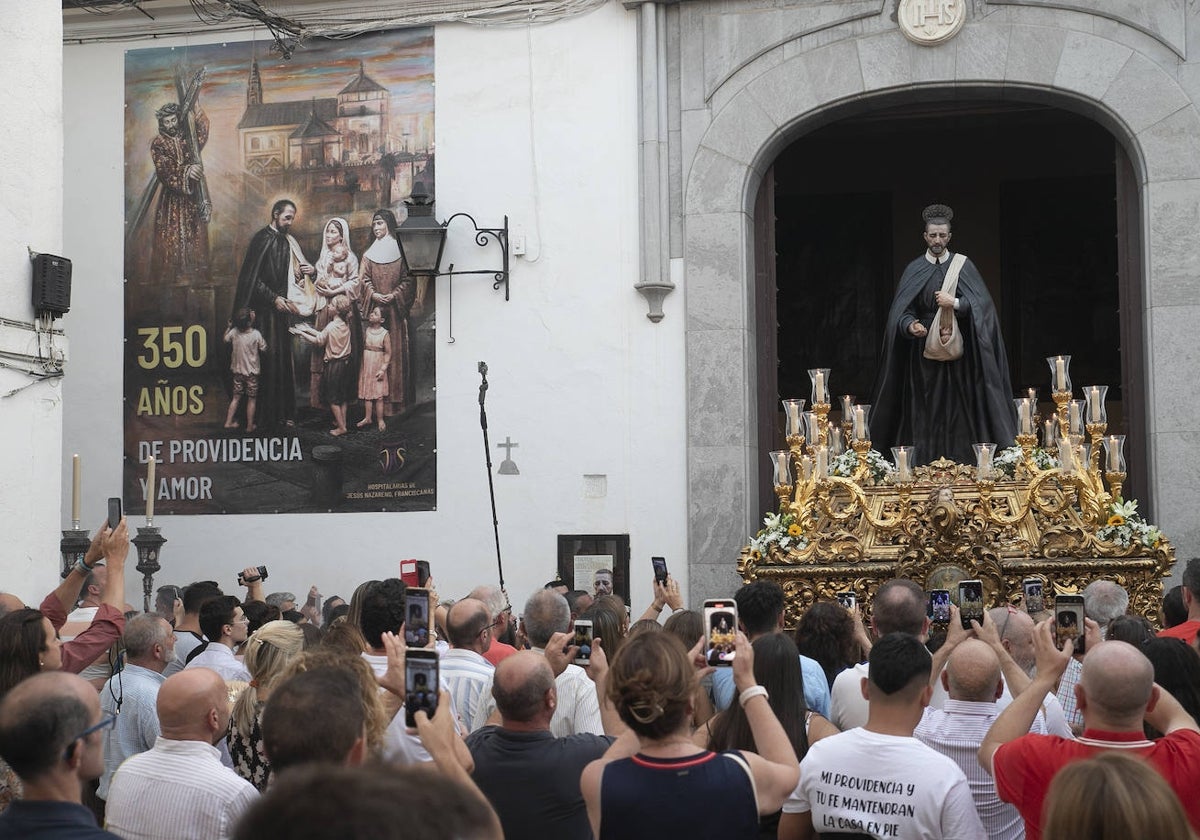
x=950, y=348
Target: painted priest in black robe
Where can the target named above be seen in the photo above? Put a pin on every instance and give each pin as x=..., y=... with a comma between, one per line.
x=941, y=408
x=273, y=262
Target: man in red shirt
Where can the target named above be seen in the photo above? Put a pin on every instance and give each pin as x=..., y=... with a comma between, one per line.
x=1191, y=601
x=1116, y=692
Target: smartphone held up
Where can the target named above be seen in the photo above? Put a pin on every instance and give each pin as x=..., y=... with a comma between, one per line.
x=721, y=624
x=421, y=683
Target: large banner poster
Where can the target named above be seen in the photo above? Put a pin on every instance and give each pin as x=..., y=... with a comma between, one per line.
x=279, y=357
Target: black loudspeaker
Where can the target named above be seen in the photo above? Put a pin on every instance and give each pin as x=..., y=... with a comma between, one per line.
x=51, y=284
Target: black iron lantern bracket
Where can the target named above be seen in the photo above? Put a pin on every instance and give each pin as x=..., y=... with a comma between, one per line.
x=484, y=237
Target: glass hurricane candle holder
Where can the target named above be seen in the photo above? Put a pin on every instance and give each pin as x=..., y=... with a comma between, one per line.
x=820, y=385
x=1025, y=412
x=1114, y=453
x=902, y=456
x=792, y=410
x=861, y=429
x=847, y=407
x=811, y=427
x=1060, y=372
x=836, y=445
x=782, y=464
x=983, y=459
x=1050, y=433
x=1094, y=396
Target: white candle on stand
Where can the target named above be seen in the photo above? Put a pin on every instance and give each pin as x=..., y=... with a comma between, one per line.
x=1113, y=454
x=902, y=464
x=150, y=494
x=981, y=463
x=781, y=466
x=1076, y=425
x=859, y=422
x=1094, y=404
x=793, y=416
x=822, y=461
x=1023, y=417
x=819, y=387
x=1060, y=374
x=76, y=474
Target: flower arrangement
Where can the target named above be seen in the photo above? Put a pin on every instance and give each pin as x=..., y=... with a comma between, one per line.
x=1007, y=459
x=779, y=529
x=1125, y=526
x=878, y=467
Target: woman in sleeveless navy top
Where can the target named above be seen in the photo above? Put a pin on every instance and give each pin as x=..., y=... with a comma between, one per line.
x=653, y=782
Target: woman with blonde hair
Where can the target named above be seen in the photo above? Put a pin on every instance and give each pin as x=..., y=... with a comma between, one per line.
x=658, y=783
x=268, y=653
x=1112, y=797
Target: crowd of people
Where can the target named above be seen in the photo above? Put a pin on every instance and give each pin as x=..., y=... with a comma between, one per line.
x=255, y=716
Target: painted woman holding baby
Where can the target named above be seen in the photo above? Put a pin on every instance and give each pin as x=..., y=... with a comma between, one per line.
x=337, y=274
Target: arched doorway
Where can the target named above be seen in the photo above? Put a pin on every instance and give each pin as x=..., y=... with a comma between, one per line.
x=1043, y=199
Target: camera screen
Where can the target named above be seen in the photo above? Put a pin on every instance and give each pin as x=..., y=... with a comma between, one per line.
x=421, y=687
x=416, y=620
x=722, y=636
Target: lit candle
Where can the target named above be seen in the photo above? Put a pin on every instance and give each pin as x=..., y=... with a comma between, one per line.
x=822, y=461
x=806, y=466
x=1060, y=374
x=859, y=421
x=847, y=405
x=1049, y=433
x=819, y=387
x=150, y=494
x=793, y=417
x=1094, y=404
x=981, y=463
x=781, y=467
x=835, y=440
x=1076, y=425
x=1023, y=416
x=902, y=464
x=1114, y=463
x=76, y=476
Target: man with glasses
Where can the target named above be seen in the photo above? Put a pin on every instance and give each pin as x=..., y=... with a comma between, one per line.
x=132, y=692
x=50, y=734
x=179, y=787
x=467, y=674
x=225, y=626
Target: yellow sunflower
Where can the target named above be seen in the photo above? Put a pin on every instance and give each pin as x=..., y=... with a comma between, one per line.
x=1116, y=520
x=794, y=530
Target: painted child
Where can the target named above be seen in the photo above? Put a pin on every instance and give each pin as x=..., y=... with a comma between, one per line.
x=247, y=344
x=337, y=383
x=339, y=270
x=373, y=376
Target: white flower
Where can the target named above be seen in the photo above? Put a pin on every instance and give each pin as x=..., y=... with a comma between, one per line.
x=1125, y=510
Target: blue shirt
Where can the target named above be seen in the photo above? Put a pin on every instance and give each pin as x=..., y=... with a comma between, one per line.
x=816, y=688
x=26, y=820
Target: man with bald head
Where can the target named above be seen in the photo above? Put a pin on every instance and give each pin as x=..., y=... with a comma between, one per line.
x=179, y=788
x=466, y=673
x=51, y=736
x=1116, y=693
x=972, y=679
x=530, y=777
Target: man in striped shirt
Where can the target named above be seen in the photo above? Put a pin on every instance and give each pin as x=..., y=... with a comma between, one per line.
x=463, y=668
x=179, y=788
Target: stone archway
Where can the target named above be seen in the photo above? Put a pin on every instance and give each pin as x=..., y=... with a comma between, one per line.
x=753, y=115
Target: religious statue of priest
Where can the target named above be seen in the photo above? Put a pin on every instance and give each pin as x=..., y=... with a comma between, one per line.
x=942, y=407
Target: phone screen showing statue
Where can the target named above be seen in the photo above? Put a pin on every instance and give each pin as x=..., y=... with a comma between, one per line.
x=939, y=606
x=722, y=636
x=660, y=569
x=416, y=618
x=1068, y=621
x=583, y=641
x=1033, y=596
x=970, y=602
x=421, y=687
x=847, y=600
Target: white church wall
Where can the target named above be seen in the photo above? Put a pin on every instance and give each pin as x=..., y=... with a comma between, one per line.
x=539, y=124
x=31, y=200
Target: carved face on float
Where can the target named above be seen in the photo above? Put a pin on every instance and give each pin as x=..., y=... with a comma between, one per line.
x=937, y=238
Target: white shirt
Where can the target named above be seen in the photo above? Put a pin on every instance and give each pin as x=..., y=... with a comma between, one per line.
x=218, y=657
x=956, y=731
x=136, y=729
x=399, y=745
x=469, y=677
x=177, y=790
x=578, y=709
x=884, y=785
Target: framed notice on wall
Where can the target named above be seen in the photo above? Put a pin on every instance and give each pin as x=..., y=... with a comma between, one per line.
x=595, y=563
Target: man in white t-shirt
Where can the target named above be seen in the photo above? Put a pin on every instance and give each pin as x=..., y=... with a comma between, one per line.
x=878, y=780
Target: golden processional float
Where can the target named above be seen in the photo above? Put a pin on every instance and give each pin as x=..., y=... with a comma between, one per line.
x=849, y=519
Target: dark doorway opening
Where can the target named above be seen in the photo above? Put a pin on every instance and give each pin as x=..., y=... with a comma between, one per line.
x=1045, y=205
